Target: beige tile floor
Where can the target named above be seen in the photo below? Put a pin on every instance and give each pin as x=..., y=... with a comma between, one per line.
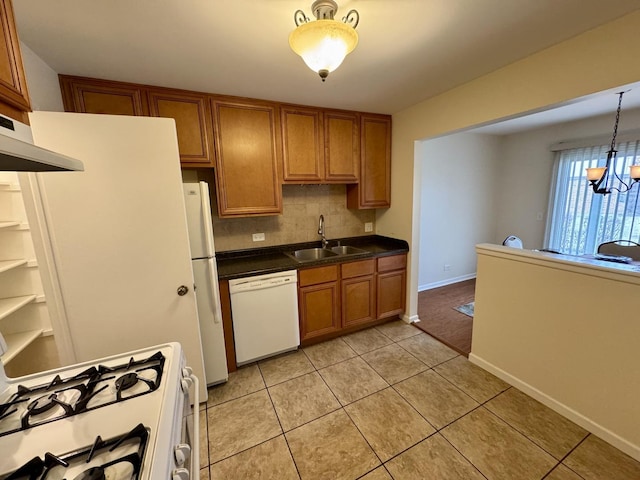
x=390, y=403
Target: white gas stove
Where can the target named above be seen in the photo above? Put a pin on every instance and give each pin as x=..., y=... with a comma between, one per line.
x=127, y=416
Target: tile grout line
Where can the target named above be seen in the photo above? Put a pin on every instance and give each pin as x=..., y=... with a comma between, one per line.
x=568, y=453
x=286, y=441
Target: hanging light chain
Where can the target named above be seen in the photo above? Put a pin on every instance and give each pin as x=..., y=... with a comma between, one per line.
x=615, y=127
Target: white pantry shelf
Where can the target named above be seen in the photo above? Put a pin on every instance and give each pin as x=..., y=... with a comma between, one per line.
x=8, y=224
x=13, y=304
x=18, y=342
x=10, y=264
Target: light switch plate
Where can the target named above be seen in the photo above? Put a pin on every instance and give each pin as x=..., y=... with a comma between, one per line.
x=258, y=237
x=368, y=227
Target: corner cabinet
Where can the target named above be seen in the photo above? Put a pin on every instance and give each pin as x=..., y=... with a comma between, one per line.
x=190, y=110
x=14, y=96
x=88, y=95
x=247, y=153
x=374, y=188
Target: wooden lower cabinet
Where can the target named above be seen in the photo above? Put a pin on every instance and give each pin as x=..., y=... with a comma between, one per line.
x=358, y=292
x=318, y=301
x=350, y=295
x=391, y=296
x=391, y=280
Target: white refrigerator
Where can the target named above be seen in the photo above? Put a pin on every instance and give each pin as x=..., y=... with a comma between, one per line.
x=112, y=242
x=205, y=275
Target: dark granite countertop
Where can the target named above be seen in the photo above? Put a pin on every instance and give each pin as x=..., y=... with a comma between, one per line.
x=260, y=261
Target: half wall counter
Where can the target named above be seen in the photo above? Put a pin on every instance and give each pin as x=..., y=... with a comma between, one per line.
x=566, y=331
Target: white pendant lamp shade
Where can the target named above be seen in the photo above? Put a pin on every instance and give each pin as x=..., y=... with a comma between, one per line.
x=323, y=44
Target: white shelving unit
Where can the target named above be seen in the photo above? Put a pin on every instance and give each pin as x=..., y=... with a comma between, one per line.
x=22, y=320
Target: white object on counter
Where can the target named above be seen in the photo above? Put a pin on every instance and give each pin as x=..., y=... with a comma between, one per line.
x=265, y=315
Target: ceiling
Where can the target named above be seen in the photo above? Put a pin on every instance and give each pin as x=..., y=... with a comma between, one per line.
x=409, y=50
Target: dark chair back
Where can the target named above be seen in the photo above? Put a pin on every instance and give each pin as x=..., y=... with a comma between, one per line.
x=621, y=247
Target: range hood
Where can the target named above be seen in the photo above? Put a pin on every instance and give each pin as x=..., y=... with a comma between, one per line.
x=19, y=154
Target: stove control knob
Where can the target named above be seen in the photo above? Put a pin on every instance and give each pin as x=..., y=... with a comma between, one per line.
x=187, y=372
x=186, y=384
x=181, y=453
x=180, y=474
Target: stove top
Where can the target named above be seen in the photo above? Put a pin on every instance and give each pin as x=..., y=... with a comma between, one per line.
x=66, y=396
x=114, y=418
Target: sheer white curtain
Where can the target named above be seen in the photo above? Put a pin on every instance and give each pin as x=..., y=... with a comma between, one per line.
x=580, y=219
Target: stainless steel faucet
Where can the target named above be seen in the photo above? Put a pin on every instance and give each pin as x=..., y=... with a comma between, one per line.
x=321, y=231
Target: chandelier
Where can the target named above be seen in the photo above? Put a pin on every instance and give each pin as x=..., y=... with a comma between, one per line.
x=324, y=43
x=602, y=178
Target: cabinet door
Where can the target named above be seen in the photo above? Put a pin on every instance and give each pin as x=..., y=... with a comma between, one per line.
x=391, y=293
x=247, y=153
x=358, y=300
x=374, y=188
x=13, y=84
x=302, y=145
x=86, y=95
x=191, y=113
x=342, y=148
x=319, y=308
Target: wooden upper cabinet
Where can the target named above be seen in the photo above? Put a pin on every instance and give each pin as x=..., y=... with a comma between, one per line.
x=88, y=95
x=13, y=84
x=374, y=189
x=191, y=114
x=302, y=145
x=342, y=148
x=319, y=146
x=247, y=155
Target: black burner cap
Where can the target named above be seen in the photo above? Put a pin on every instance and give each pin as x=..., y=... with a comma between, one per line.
x=126, y=381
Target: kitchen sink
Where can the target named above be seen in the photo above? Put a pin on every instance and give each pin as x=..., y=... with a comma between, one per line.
x=311, y=254
x=347, y=250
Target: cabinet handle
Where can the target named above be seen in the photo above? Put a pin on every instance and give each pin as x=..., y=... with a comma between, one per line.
x=182, y=290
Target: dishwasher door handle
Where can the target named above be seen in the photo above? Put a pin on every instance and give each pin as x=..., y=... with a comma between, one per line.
x=261, y=284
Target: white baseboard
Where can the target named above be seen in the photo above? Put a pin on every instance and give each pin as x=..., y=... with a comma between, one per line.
x=410, y=319
x=564, y=410
x=449, y=281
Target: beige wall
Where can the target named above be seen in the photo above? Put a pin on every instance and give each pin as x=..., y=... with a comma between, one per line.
x=42, y=81
x=600, y=59
x=565, y=336
x=458, y=204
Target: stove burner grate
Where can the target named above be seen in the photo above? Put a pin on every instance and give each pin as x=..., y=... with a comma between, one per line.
x=65, y=397
x=125, y=466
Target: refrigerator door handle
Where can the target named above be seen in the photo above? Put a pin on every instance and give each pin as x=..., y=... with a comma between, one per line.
x=215, y=291
x=206, y=213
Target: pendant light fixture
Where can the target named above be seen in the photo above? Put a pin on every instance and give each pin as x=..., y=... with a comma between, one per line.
x=602, y=178
x=324, y=43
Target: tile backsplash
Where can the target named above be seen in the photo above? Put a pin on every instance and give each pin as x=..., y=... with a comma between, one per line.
x=302, y=205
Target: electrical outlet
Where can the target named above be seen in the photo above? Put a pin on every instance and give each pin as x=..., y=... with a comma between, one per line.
x=258, y=237
x=447, y=267
x=368, y=227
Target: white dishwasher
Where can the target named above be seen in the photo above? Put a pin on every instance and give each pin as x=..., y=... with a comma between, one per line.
x=264, y=309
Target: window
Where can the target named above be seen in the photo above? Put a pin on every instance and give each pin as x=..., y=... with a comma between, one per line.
x=580, y=219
